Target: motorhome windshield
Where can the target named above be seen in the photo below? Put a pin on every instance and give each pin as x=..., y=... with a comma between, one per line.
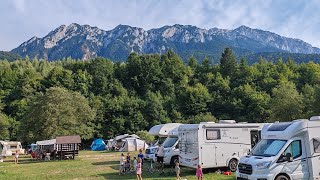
x=169, y=142
x=268, y=147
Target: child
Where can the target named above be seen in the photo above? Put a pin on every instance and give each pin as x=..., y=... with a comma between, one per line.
x=199, y=173
x=139, y=169
x=140, y=155
x=177, y=169
x=122, y=161
x=128, y=162
x=135, y=163
x=16, y=157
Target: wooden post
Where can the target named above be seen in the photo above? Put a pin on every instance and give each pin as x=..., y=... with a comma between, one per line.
x=74, y=151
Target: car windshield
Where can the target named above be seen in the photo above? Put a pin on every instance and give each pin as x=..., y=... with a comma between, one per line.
x=268, y=147
x=169, y=142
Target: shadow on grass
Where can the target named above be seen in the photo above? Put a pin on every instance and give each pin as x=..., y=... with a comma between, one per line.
x=106, y=163
x=168, y=173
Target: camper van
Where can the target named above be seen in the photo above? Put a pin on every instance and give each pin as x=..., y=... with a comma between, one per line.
x=216, y=144
x=16, y=146
x=171, y=147
x=161, y=131
x=286, y=151
x=5, y=149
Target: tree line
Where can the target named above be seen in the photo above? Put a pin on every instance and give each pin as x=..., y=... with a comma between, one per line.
x=100, y=98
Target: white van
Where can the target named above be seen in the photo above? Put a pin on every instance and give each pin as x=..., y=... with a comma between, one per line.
x=171, y=148
x=287, y=151
x=216, y=144
x=161, y=131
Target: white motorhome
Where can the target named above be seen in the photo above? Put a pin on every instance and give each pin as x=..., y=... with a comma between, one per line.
x=171, y=147
x=287, y=151
x=216, y=144
x=161, y=131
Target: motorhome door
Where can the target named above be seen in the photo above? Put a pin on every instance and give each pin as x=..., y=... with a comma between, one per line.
x=208, y=155
x=255, y=137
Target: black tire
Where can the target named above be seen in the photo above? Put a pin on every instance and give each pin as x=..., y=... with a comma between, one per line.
x=173, y=161
x=233, y=164
x=282, y=177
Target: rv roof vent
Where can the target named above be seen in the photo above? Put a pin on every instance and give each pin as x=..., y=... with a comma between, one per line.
x=207, y=122
x=315, y=118
x=227, y=121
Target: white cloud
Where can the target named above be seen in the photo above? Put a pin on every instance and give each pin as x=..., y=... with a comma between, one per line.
x=24, y=19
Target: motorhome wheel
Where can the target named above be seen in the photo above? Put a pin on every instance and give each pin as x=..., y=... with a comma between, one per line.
x=233, y=163
x=282, y=177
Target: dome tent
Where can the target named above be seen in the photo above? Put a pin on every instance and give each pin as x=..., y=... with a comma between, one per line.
x=98, y=145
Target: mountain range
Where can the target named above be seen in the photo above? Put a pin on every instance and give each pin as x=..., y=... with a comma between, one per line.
x=85, y=42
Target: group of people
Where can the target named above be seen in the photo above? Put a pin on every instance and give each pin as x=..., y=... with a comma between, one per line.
x=125, y=164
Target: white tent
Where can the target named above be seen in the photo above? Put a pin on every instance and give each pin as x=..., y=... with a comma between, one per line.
x=109, y=144
x=133, y=144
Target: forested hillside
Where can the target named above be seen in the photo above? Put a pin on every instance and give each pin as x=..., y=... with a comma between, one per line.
x=41, y=99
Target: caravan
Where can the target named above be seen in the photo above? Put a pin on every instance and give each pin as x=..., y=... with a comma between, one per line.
x=287, y=151
x=216, y=144
x=16, y=146
x=5, y=149
x=162, y=131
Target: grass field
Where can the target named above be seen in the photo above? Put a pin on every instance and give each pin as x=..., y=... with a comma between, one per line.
x=88, y=165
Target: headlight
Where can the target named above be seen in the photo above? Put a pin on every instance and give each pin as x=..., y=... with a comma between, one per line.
x=263, y=165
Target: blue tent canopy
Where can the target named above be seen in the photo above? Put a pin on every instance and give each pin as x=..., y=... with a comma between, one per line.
x=98, y=145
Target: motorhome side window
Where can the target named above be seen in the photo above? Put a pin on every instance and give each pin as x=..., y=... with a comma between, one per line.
x=213, y=134
x=294, y=149
x=316, y=145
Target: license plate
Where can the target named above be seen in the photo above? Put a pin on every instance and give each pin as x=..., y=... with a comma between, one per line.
x=243, y=176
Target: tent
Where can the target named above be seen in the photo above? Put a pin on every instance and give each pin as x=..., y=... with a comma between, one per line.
x=109, y=144
x=98, y=145
x=133, y=144
x=47, y=145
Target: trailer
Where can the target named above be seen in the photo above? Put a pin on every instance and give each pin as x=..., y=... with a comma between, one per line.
x=213, y=145
x=287, y=151
x=5, y=149
x=15, y=146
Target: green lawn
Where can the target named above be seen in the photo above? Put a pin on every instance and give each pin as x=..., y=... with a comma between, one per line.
x=88, y=165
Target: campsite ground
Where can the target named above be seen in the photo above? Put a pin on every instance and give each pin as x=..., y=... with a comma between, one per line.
x=89, y=165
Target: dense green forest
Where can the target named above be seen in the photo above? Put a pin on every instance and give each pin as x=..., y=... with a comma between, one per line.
x=100, y=98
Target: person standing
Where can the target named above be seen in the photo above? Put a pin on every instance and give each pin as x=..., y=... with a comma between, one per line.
x=199, y=173
x=122, y=162
x=139, y=169
x=160, y=155
x=16, y=157
x=177, y=169
x=140, y=155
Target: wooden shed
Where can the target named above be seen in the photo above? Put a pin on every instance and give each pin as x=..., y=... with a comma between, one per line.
x=67, y=146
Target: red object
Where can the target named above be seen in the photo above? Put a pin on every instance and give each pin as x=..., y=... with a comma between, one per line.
x=227, y=173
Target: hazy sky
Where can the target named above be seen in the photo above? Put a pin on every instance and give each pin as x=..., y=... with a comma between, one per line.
x=23, y=19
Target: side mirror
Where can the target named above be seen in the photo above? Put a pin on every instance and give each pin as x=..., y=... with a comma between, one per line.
x=289, y=157
x=248, y=153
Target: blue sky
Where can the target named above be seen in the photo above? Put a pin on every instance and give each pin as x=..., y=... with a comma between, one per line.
x=23, y=19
